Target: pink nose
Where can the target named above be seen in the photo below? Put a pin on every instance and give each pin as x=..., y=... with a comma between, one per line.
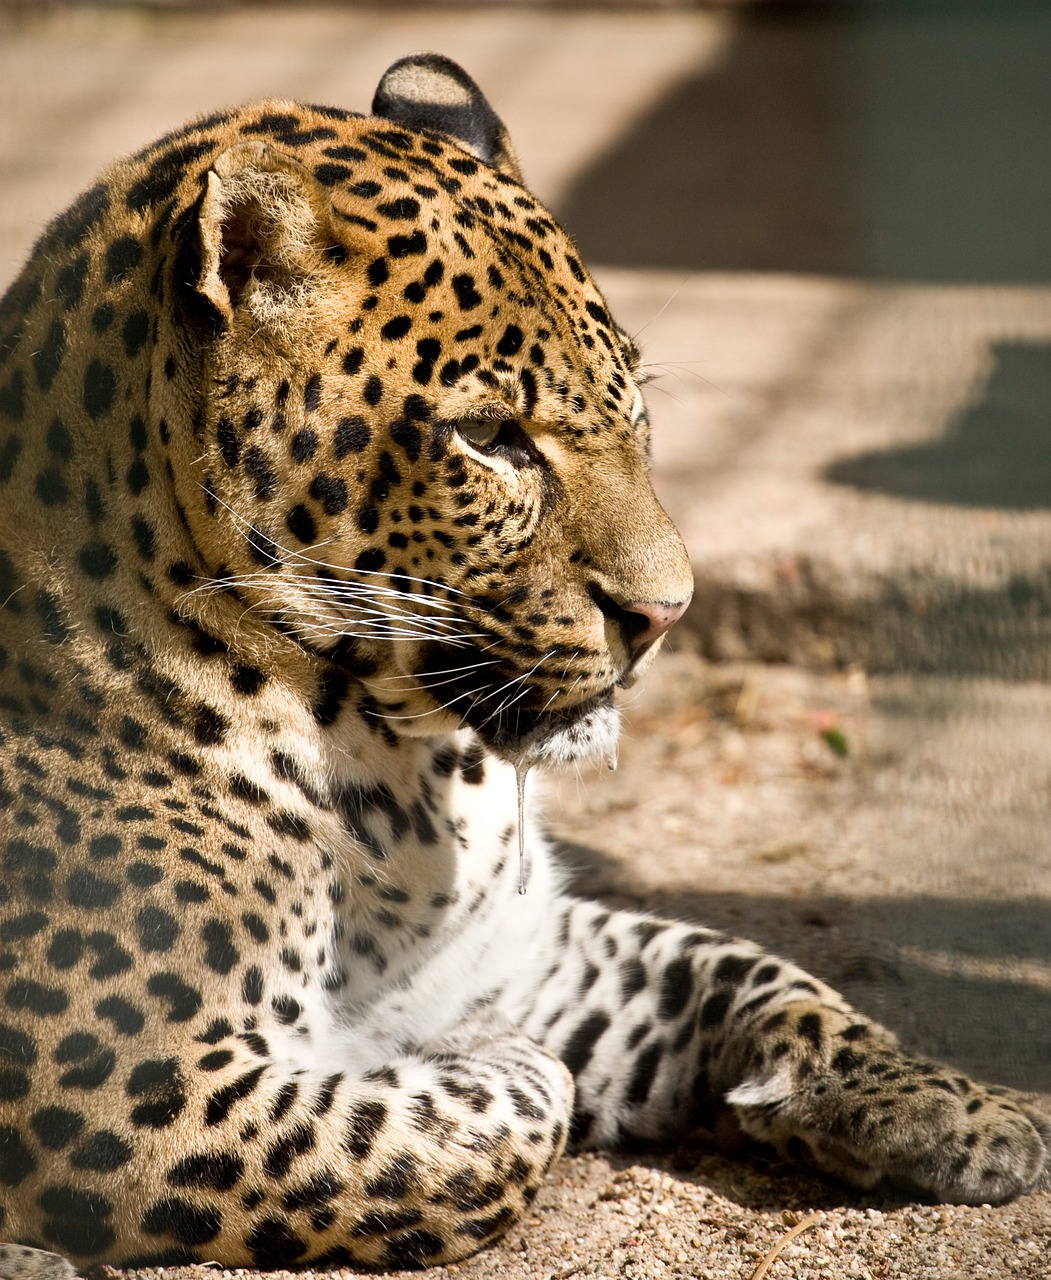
x=654, y=618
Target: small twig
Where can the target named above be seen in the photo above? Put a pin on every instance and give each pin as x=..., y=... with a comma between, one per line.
x=748, y=699
x=786, y=1239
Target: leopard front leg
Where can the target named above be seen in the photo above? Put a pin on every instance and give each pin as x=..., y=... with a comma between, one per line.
x=252, y=1162
x=662, y=1024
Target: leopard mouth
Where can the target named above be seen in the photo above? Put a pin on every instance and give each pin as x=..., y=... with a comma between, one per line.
x=484, y=697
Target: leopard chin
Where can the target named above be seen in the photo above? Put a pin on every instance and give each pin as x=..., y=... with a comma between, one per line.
x=563, y=739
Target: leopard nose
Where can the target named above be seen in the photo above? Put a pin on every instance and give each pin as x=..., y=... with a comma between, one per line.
x=650, y=619
x=640, y=622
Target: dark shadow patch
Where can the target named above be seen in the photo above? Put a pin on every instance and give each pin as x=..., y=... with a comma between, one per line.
x=995, y=452
x=879, y=139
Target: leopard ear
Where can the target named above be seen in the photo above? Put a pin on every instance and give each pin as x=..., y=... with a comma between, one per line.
x=264, y=239
x=429, y=91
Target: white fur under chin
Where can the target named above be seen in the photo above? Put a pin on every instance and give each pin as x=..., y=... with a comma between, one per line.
x=593, y=738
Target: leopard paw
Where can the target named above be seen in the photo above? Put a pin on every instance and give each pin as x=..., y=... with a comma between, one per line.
x=879, y=1117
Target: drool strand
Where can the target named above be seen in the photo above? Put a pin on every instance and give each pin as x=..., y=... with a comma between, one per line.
x=521, y=772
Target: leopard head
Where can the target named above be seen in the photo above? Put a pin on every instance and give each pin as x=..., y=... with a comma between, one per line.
x=420, y=449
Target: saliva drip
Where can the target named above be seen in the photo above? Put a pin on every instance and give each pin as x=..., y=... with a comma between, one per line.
x=521, y=773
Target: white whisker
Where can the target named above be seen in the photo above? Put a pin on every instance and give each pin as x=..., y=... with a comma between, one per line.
x=377, y=608
x=674, y=294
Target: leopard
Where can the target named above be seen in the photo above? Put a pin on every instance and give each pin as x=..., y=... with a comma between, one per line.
x=326, y=515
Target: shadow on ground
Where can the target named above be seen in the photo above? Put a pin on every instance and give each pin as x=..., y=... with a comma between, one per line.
x=940, y=972
x=882, y=138
x=996, y=452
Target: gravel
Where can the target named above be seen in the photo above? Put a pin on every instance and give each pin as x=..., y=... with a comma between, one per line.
x=609, y=1217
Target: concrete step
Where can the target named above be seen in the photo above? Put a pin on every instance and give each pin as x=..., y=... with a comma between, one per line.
x=861, y=471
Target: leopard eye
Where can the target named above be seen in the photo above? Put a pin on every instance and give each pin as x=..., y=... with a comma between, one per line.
x=481, y=433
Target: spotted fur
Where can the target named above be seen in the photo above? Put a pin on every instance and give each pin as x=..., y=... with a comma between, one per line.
x=323, y=504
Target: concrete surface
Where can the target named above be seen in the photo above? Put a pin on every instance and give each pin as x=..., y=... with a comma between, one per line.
x=829, y=227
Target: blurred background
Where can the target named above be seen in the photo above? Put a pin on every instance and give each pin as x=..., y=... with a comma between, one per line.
x=775, y=195
x=890, y=139
x=830, y=226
